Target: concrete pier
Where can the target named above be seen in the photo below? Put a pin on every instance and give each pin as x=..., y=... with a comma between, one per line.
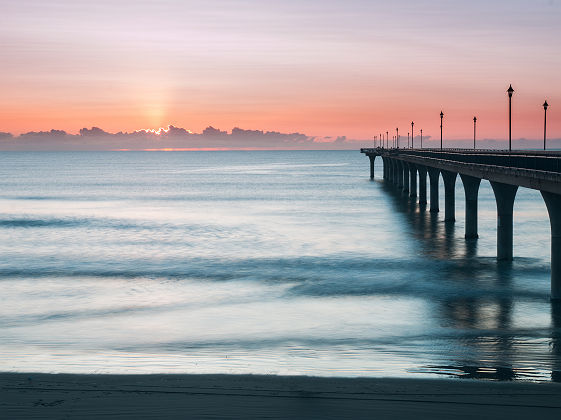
x=504, y=196
x=422, y=184
x=449, y=195
x=553, y=204
x=505, y=170
x=413, y=180
x=434, y=175
x=471, y=189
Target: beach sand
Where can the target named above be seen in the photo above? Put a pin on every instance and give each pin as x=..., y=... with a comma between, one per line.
x=61, y=396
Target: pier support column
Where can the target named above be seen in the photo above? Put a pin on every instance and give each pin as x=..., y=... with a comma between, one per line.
x=433, y=177
x=449, y=195
x=396, y=172
x=471, y=189
x=399, y=174
x=553, y=203
x=405, y=177
x=413, y=180
x=385, y=166
x=372, y=158
x=422, y=185
x=504, y=196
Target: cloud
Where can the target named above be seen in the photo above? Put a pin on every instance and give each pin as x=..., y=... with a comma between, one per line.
x=212, y=132
x=43, y=134
x=93, y=132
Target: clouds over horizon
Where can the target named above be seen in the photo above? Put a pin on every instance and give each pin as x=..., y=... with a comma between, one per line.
x=172, y=137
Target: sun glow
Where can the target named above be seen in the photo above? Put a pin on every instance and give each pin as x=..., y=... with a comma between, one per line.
x=157, y=131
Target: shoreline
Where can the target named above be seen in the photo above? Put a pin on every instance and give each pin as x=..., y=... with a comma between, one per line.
x=40, y=395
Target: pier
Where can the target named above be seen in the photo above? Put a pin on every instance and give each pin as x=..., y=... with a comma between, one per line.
x=407, y=170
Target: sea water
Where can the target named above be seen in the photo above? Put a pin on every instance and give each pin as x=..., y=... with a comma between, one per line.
x=265, y=262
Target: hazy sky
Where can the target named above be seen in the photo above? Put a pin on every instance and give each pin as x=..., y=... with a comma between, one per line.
x=319, y=67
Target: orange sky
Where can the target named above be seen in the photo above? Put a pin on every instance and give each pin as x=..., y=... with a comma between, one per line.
x=323, y=68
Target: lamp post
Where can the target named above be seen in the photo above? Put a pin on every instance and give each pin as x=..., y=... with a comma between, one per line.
x=387, y=139
x=397, y=137
x=421, y=138
x=474, y=122
x=408, y=140
x=545, y=105
x=412, y=137
x=510, y=91
x=441, y=117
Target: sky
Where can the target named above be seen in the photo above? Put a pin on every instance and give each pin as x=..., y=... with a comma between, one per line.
x=324, y=68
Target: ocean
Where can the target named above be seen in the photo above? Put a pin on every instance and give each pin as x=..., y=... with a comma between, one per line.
x=265, y=262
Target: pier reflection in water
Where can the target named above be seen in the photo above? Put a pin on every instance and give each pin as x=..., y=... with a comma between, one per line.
x=480, y=322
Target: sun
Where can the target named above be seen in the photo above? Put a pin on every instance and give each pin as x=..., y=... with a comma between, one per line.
x=156, y=131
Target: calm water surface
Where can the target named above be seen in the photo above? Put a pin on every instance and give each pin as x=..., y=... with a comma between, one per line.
x=261, y=262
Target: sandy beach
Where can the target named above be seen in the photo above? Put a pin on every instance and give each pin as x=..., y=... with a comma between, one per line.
x=57, y=396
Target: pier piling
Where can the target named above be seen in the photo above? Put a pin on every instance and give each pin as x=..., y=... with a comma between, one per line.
x=422, y=185
x=471, y=189
x=504, y=196
x=553, y=204
x=434, y=175
x=449, y=195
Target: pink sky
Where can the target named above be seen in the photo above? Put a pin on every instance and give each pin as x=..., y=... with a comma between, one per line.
x=324, y=68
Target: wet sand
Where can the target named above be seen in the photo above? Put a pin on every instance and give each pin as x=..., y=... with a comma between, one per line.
x=57, y=396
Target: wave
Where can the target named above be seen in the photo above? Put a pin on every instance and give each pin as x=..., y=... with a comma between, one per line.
x=401, y=342
x=34, y=223
x=14, y=222
x=317, y=277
